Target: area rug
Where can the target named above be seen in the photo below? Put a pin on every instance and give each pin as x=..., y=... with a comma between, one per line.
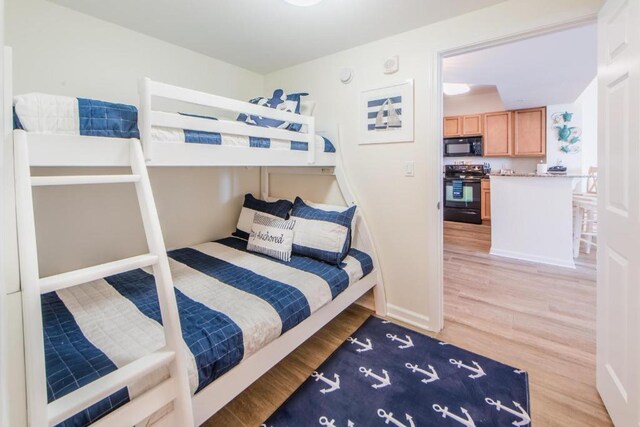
x=385, y=374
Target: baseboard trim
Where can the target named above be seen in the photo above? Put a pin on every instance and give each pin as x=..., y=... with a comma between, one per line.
x=409, y=317
x=533, y=258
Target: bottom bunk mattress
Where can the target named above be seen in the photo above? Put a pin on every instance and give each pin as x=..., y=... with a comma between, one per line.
x=231, y=303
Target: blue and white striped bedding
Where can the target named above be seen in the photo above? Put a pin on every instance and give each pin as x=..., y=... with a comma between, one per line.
x=231, y=303
x=52, y=114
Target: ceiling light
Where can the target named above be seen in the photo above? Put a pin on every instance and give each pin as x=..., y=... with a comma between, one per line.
x=455, y=88
x=303, y=3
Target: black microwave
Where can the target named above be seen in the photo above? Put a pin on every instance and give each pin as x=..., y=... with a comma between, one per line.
x=463, y=147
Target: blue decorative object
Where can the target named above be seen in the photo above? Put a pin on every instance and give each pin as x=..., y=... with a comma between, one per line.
x=568, y=136
x=279, y=101
x=385, y=374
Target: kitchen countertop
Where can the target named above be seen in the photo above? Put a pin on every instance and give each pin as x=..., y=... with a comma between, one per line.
x=534, y=175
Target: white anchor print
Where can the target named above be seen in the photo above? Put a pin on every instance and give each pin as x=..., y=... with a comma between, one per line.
x=523, y=417
x=385, y=321
x=324, y=421
x=433, y=375
x=443, y=343
x=519, y=371
x=383, y=381
x=479, y=372
x=405, y=344
x=365, y=347
x=333, y=385
x=467, y=421
x=388, y=418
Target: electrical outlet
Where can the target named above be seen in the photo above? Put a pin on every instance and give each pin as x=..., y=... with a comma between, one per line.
x=409, y=168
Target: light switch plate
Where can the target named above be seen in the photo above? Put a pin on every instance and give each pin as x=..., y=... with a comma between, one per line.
x=409, y=168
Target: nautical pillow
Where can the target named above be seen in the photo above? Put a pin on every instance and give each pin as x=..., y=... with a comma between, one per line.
x=279, y=101
x=272, y=237
x=320, y=234
x=277, y=209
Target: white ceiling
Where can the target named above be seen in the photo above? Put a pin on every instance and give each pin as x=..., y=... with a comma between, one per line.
x=268, y=35
x=545, y=70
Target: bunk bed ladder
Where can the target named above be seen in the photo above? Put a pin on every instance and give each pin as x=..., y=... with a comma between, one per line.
x=173, y=389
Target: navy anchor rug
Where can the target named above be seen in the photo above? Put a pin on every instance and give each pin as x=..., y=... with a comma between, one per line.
x=385, y=374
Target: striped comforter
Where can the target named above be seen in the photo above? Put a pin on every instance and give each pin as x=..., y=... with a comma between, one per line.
x=231, y=303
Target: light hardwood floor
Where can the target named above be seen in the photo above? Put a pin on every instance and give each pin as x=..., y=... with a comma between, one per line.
x=534, y=317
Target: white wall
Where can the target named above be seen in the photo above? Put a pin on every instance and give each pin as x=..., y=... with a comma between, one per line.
x=587, y=102
x=57, y=50
x=402, y=211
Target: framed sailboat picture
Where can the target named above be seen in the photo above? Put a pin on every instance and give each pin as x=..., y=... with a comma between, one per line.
x=386, y=114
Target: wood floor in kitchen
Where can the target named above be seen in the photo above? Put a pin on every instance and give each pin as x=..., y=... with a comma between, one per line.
x=535, y=317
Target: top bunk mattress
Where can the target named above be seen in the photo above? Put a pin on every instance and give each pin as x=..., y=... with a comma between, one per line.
x=231, y=302
x=63, y=115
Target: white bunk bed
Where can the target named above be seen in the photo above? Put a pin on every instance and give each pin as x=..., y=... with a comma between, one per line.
x=32, y=149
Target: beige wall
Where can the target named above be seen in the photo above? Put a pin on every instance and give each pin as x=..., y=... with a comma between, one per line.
x=59, y=51
x=402, y=211
x=460, y=105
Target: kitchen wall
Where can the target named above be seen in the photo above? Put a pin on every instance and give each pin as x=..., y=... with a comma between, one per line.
x=471, y=103
x=486, y=102
x=60, y=51
x=402, y=210
x=587, y=102
x=584, y=110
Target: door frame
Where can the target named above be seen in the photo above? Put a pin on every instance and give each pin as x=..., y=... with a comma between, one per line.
x=435, y=105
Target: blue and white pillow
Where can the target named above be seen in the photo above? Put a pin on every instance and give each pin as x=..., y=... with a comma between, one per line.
x=279, y=101
x=271, y=236
x=321, y=234
x=277, y=209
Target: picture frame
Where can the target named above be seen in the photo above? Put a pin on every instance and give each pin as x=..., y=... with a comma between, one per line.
x=386, y=114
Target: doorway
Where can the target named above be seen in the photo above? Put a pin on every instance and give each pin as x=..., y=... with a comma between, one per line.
x=509, y=110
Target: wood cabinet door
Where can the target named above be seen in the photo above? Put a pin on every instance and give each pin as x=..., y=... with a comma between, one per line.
x=452, y=126
x=530, y=134
x=485, y=211
x=485, y=199
x=472, y=125
x=497, y=134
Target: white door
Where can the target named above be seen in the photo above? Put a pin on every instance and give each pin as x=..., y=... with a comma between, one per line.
x=618, y=323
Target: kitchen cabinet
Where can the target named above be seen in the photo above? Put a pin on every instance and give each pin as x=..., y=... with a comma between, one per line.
x=452, y=126
x=498, y=141
x=530, y=132
x=470, y=125
x=485, y=199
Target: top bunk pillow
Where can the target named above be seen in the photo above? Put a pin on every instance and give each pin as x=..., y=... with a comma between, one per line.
x=279, y=101
x=321, y=234
x=251, y=205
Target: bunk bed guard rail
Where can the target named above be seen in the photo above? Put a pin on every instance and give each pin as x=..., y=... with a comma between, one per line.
x=148, y=117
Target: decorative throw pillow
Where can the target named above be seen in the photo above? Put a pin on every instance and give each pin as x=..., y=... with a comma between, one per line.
x=277, y=209
x=336, y=208
x=272, y=237
x=279, y=101
x=320, y=234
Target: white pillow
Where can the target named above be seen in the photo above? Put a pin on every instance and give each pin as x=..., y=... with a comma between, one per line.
x=271, y=237
x=336, y=208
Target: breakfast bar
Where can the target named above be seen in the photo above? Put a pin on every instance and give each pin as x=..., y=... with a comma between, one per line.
x=532, y=218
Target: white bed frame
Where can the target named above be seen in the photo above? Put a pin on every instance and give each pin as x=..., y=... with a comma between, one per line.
x=57, y=150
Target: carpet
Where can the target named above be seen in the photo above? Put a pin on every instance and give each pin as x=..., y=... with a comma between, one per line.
x=385, y=374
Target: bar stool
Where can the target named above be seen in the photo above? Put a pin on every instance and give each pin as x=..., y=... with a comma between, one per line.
x=585, y=221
